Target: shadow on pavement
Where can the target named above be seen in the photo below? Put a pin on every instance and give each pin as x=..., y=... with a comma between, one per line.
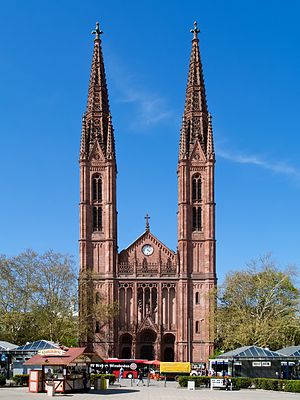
x=113, y=391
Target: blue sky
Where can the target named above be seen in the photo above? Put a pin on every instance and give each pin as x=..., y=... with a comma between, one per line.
x=250, y=54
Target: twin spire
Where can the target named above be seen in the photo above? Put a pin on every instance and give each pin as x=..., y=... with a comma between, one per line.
x=97, y=124
x=196, y=121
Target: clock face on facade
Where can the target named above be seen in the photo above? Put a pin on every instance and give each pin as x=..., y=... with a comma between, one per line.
x=147, y=249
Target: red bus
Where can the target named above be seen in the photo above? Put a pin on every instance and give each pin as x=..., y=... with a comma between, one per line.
x=130, y=366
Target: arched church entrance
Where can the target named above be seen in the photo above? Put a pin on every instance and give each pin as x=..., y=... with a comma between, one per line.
x=146, y=342
x=125, y=346
x=168, y=347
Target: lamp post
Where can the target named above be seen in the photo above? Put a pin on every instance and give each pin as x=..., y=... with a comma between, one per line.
x=201, y=343
x=189, y=339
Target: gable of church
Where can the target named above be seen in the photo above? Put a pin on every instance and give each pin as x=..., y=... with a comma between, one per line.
x=147, y=255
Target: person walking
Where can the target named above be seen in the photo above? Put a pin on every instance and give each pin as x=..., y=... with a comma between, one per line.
x=140, y=378
x=120, y=375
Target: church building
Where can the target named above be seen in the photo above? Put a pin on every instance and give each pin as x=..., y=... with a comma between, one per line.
x=165, y=298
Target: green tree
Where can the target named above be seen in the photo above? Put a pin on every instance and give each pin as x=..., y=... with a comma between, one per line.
x=37, y=297
x=96, y=314
x=57, y=297
x=260, y=306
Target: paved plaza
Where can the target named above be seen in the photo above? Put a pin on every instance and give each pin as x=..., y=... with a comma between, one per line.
x=156, y=391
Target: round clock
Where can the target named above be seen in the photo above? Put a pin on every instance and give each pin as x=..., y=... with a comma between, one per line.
x=147, y=249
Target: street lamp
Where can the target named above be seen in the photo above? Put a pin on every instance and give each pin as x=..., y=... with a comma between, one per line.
x=201, y=343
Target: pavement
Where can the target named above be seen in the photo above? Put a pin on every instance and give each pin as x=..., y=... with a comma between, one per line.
x=156, y=391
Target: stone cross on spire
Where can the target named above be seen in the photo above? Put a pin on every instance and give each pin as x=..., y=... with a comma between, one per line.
x=147, y=223
x=195, y=31
x=97, y=31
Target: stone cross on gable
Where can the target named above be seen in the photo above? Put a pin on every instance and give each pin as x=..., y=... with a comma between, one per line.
x=195, y=31
x=97, y=31
x=147, y=223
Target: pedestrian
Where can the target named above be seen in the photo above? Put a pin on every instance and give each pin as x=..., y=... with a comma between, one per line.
x=84, y=380
x=228, y=384
x=120, y=375
x=140, y=378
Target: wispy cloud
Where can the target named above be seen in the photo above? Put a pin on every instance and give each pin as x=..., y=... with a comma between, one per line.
x=276, y=167
x=150, y=106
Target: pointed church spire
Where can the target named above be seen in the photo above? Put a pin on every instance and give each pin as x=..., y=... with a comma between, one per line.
x=97, y=113
x=195, y=110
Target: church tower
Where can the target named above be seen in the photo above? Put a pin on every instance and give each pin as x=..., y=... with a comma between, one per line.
x=98, y=215
x=196, y=217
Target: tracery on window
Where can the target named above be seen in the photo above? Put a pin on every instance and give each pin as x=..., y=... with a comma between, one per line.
x=97, y=202
x=97, y=188
x=196, y=189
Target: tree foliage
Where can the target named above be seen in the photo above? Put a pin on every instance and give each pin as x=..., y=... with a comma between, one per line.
x=37, y=298
x=96, y=314
x=260, y=306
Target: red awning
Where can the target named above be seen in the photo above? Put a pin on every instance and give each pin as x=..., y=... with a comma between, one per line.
x=152, y=362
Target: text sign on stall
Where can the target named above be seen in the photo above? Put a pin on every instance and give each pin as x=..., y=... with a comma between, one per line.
x=51, y=352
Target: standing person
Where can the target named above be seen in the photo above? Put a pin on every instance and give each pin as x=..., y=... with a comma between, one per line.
x=84, y=380
x=121, y=374
x=140, y=378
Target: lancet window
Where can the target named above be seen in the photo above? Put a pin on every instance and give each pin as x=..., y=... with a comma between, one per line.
x=196, y=189
x=97, y=202
x=97, y=188
x=197, y=202
x=97, y=218
x=197, y=218
x=168, y=306
x=147, y=301
x=126, y=305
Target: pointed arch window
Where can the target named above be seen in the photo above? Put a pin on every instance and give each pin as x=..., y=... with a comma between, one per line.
x=197, y=219
x=196, y=189
x=197, y=298
x=197, y=327
x=97, y=219
x=97, y=188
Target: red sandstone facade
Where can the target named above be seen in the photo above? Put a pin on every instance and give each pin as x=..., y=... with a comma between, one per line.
x=164, y=297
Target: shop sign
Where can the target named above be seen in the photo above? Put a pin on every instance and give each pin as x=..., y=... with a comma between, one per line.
x=266, y=364
x=256, y=364
x=51, y=352
x=261, y=364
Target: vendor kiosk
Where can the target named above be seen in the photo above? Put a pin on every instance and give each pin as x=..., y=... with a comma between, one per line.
x=65, y=371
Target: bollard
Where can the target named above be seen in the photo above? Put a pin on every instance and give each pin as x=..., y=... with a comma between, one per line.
x=131, y=383
x=165, y=383
x=148, y=380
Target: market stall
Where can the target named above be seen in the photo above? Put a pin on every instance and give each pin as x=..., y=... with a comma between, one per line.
x=63, y=370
